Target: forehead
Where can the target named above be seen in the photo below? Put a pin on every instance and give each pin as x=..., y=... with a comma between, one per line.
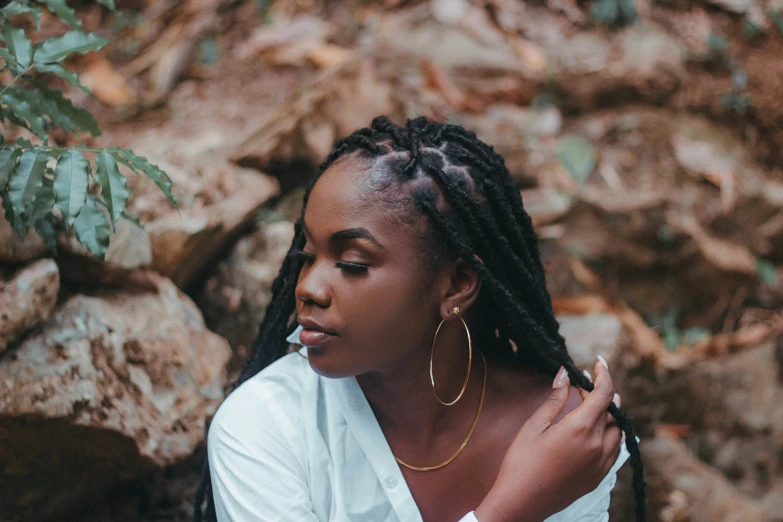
x=353, y=193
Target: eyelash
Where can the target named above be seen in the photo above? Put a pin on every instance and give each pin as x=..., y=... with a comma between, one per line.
x=351, y=268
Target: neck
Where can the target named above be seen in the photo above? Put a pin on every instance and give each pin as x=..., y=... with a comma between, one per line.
x=402, y=397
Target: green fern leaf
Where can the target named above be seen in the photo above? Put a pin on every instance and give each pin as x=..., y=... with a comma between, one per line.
x=8, y=157
x=63, y=112
x=17, y=44
x=42, y=206
x=91, y=228
x=46, y=230
x=10, y=216
x=10, y=62
x=142, y=164
x=70, y=184
x=63, y=12
x=56, y=49
x=114, y=186
x=109, y=4
x=62, y=72
x=27, y=179
x=22, y=104
x=17, y=8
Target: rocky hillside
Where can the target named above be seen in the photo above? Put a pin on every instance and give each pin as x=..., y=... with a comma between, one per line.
x=647, y=137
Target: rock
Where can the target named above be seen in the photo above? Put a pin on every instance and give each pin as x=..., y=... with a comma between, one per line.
x=236, y=294
x=715, y=154
x=15, y=250
x=545, y=204
x=647, y=208
x=300, y=133
x=178, y=245
x=27, y=299
x=451, y=47
x=183, y=245
x=588, y=336
x=733, y=409
x=523, y=136
x=642, y=61
x=701, y=493
x=112, y=387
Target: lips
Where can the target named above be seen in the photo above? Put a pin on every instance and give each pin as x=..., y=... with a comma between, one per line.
x=313, y=334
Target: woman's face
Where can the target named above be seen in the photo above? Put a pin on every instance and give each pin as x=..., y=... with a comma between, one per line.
x=363, y=298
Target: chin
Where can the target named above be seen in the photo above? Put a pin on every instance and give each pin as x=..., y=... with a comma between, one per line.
x=326, y=365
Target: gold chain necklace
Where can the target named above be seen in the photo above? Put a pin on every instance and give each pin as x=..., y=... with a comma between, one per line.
x=465, y=442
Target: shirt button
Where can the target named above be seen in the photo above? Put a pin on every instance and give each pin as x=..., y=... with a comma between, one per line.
x=391, y=482
x=355, y=404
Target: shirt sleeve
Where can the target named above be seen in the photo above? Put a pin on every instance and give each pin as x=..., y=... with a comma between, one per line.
x=251, y=447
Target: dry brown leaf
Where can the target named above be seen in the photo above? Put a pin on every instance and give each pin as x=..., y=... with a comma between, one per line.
x=745, y=337
x=716, y=165
x=329, y=55
x=287, y=42
x=723, y=254
x=170, y=36
x=581, y=305
x=107, y=84
x=438, y=79
x=645, y=341
x=677, y=431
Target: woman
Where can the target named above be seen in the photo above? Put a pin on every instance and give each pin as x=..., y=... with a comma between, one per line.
x=424, y=390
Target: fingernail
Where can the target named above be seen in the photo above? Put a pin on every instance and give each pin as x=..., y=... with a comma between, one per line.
x=587, y=374
x=561, y=378
x=616, y=399
x=603, y=361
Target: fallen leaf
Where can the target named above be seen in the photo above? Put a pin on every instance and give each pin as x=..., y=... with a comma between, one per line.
x=107, y=84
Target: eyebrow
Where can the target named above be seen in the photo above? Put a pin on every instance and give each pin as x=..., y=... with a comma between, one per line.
x=356, y=233
x=349, y=234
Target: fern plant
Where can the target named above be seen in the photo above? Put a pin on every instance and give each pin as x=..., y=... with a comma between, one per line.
x=78, y=189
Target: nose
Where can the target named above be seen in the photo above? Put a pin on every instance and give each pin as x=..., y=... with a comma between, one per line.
x=312, y=286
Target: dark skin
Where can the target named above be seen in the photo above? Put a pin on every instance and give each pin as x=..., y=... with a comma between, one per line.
x=365, y=284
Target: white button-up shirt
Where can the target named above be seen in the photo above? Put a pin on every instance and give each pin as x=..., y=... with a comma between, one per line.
x=291, y=446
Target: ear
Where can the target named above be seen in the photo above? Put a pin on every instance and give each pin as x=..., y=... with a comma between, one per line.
x=463, y=288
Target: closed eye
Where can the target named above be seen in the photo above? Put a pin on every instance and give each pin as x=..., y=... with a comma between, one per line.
x=352, y=268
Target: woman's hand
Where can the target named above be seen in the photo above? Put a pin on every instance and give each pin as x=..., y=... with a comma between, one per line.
x=548, y=466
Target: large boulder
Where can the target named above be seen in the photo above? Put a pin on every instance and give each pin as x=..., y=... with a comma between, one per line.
x=14, y=250
x=236, y=294
x=215, y=203
x=27, y=299
x=112, y=387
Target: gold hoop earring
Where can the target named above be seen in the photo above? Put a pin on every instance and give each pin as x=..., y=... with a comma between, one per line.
x=454, y=311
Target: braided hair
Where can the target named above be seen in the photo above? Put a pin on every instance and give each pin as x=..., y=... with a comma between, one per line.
x=475, y=211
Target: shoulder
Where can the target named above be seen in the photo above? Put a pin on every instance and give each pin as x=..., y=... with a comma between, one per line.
x=267, y=404
x=532, y=388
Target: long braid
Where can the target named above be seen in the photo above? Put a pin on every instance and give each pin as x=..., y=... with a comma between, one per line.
x=479, y=218
x=483, y=218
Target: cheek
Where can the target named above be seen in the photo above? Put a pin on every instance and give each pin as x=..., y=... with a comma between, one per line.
x=395, y=308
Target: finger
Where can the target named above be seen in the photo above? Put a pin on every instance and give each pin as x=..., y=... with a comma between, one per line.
x=609, y=417
x=612, y=443
x=584, y=393
x=591, y=411
x=603, y=389
x=545, y=415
